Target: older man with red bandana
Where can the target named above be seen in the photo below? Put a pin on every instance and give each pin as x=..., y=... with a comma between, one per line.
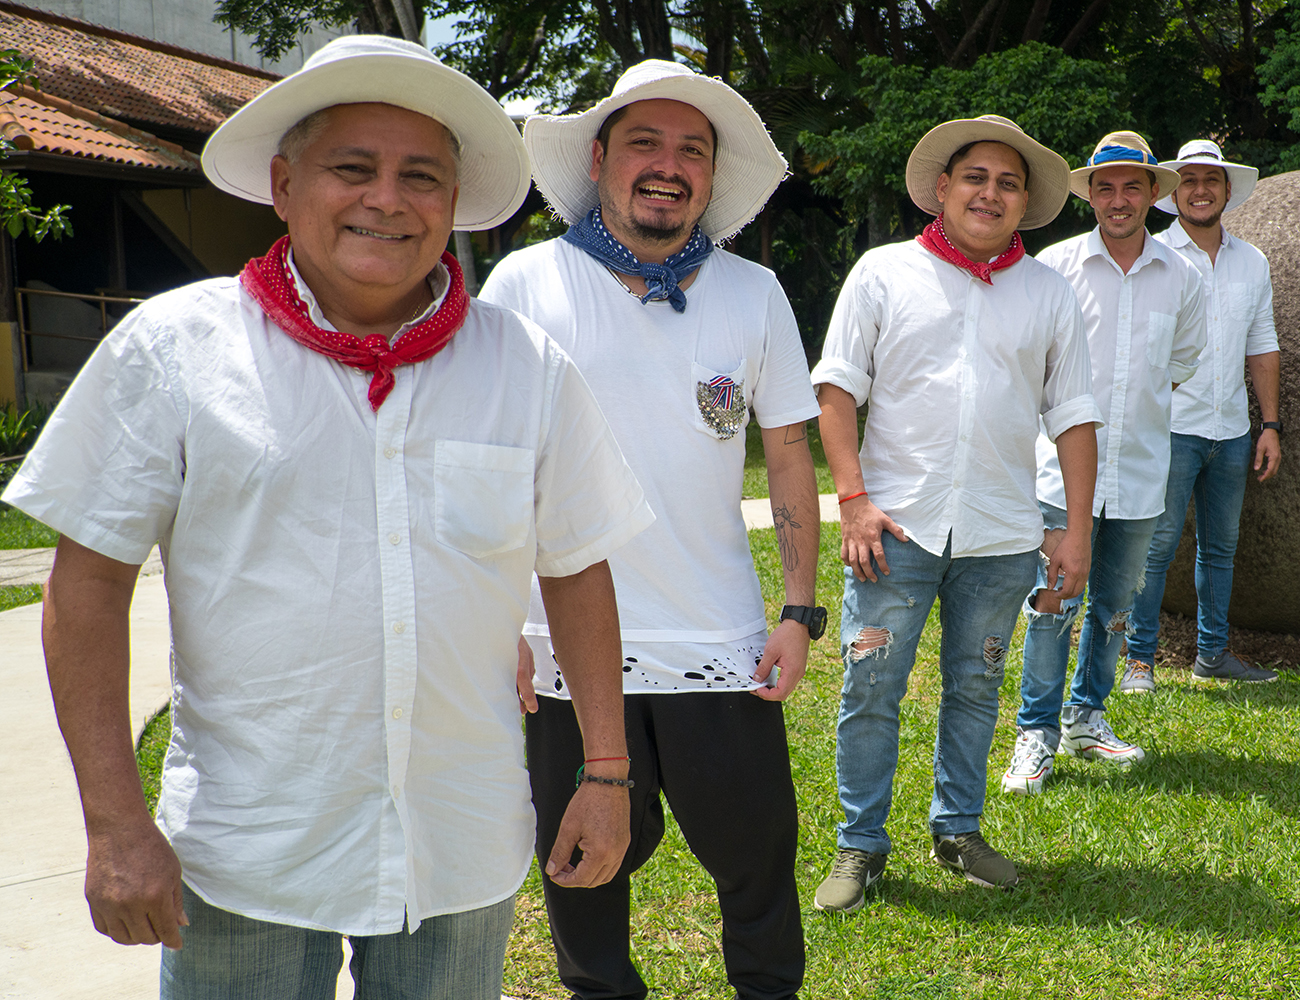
x=354, y=471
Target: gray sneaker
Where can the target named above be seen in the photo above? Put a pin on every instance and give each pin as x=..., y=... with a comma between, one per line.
x=1227, y=667
x=971, y=855
x=1139, y=677
x=845, y=888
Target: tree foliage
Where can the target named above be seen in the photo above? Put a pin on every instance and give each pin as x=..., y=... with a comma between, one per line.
x=17, y=215
x=1281, y=76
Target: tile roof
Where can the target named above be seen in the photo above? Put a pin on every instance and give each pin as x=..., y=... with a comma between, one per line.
x=128, y=77
x=40, y=123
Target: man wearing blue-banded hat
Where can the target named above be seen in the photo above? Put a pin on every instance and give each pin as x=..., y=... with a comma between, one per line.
x=1143, y=310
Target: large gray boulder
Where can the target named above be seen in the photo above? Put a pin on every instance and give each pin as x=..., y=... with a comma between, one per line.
x=1266, y=588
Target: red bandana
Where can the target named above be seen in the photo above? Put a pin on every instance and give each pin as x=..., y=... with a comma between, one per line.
x=269, y=281
x=934, y=239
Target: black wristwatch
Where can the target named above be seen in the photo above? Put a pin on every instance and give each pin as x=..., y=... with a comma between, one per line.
x=1272, y=425
x=813, y=618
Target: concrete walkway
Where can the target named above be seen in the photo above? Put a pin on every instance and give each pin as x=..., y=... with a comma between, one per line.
x=48, y=947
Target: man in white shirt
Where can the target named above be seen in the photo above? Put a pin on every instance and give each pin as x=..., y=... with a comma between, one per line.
x=1143, y=310
x=1210, y=444
x=679, y=339
x=353, y=472
x=958, y=344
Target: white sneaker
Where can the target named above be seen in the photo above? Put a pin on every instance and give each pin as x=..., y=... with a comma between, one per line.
x=1093, y=738
x=1031, y=763
x=1139, y=677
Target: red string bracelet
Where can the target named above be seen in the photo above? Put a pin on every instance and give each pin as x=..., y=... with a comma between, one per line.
x=853, y=496
x=597, y=760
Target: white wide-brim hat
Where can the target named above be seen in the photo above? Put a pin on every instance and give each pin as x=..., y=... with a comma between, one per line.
x=748, y=167
x=1048, y=185
x=1121, y=149
x=363, y=69
x=1206, y=153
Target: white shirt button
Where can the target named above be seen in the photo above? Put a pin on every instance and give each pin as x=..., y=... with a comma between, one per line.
x=389, y=452
x=397, y=713
x=397, y=791
x=394, y=538
x=399, y=627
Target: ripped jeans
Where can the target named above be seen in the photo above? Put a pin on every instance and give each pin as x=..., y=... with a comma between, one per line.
x=1119, y=554
x=979, y=599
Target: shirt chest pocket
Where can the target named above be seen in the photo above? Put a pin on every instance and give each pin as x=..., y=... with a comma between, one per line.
x=721, y=407
x=1160, y=339
x=1241, y=302
x=483, y=497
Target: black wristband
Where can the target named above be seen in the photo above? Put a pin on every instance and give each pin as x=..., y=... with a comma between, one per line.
x=1272, y=425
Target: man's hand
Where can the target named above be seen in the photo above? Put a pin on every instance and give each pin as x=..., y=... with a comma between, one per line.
x=597, y=823
x=1268, y=454
x=862, y=525
x=1069, y=562
x=133, y=886
x=787, y=650
x=524, y=674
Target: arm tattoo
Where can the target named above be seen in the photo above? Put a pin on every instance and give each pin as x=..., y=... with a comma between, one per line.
x=785, y=524
x=794, y=433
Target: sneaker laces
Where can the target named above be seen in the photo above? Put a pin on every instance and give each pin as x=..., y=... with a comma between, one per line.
x=972, y=848
x=1138, y=669
x=849, y=864
x=1101, y=729
x=1027, y=748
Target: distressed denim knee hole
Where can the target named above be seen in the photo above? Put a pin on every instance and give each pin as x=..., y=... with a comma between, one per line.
x=870, y=641
x=995, y=654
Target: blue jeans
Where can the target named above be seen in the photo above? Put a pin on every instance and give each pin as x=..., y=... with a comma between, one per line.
x=226, y=956
x=1119, y=552
x=1215, y=472
x=979, y=599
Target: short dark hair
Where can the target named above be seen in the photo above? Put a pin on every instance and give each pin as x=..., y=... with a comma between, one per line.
x=960, y=155
x=616, y=116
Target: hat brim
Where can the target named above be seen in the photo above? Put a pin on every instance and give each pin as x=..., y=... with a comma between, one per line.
x=748, y=168
x=1242, y=178
x=1166, y=178
x=494, y=171
x=1048, y=171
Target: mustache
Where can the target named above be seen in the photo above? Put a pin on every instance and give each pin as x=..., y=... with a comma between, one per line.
x=676, y=179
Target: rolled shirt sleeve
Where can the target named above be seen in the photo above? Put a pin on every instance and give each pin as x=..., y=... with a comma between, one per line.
x=846, y=359
x=1067, y=390
x=1190, y=333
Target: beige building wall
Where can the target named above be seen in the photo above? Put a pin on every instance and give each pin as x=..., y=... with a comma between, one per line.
x=222, y=231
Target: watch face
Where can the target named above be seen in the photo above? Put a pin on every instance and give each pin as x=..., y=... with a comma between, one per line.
x=817, y=627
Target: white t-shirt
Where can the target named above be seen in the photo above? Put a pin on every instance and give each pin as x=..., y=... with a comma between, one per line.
x=689, y=602
x=346, y=587
x=957, y=373
x=1145, y=331
x=1239, y=324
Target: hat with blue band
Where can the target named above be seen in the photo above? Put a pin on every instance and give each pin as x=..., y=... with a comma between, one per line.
x=1121, y=149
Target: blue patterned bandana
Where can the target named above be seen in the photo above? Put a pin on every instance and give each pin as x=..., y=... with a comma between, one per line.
x=590, y=234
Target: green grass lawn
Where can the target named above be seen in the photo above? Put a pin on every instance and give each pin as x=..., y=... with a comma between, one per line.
x=1179, y=878
x=18, y=531
x=17, y=596
x=756, y=469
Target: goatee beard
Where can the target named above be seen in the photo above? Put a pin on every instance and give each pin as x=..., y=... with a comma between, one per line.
x=1208, y=224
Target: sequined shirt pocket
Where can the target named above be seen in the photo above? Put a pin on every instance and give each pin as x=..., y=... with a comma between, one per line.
x=720, y=402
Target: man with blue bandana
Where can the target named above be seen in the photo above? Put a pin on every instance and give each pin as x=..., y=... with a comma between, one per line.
x=679, y=340
x=1145, y=319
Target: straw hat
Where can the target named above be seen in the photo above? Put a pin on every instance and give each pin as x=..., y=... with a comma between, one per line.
x=1206, y=152
x=748, y=167
x=1048, y=172
x=359, y=69
x=1122, y=149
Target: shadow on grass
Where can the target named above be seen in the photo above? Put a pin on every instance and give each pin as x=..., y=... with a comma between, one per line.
x=1074, y=893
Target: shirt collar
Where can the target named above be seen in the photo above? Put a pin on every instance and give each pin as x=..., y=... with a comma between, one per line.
x=439, y=284
x=1152, y=250
x=1179, y=237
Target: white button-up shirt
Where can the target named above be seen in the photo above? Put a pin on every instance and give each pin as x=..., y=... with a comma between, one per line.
x=347, y=591
x=957, y=373
x=1239, y=323
x=1145, y=329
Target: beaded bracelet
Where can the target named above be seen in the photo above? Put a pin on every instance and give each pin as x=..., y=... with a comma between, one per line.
x=582, y=776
